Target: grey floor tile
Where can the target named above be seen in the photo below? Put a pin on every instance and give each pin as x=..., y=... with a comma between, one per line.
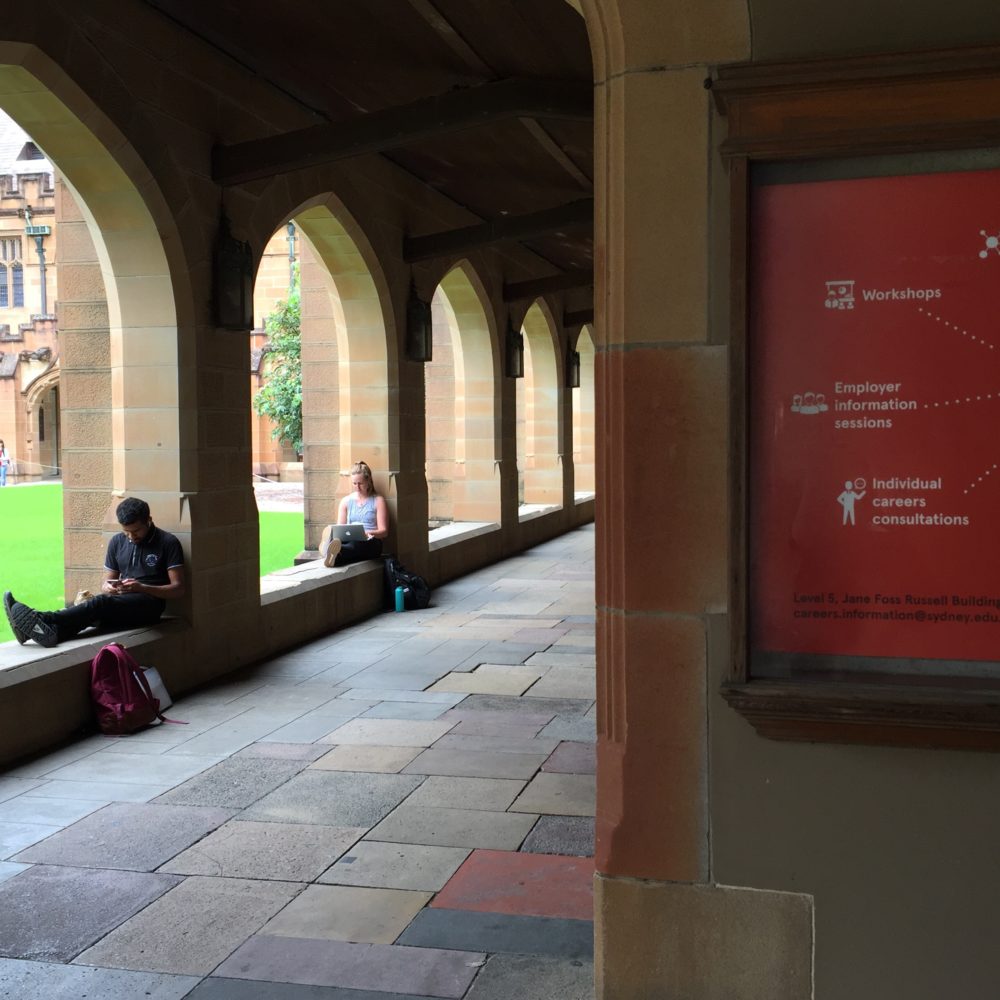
x=396, y=866
x=533, y=977
x=573, y=758
x=135, y=769
x=467, y=930
x=101, y=792
x=363, y=914
x=24, y=980
x=52, y=913
x=475, y=764
x=497, y=744
x=127, y=835
x=475, y=722
x=334, y=798
x=504, y=703
x=384, y=760
x=444, y=698
x=573, y=835
x=574, y=728
x=192, y=928
x=494, y=794
x=47, y=765
x=497, y=831
x=308, y=729
x=556, y=794
x=283, y=751
x=242, y=989
x=8, y=869
x=45, y=811
x=389, y=732
x=384, y=968
x=398, y=679
x=15, y=837
x=563, y=658
x=404, y=710
x=234, y=783
x=293, y=852
x=9, y=787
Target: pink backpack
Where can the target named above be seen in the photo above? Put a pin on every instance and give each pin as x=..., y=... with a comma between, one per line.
x=122, y=698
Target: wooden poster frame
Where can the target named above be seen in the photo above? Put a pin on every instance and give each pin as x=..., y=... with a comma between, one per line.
x=828, y=110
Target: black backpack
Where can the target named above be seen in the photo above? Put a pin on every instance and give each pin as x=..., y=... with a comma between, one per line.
x=416, y=590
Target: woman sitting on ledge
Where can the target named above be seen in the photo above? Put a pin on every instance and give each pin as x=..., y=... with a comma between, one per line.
x=364, y=506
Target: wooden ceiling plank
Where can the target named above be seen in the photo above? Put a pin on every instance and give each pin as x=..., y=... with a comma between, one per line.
x=383, y=130
x=543, y=286
x=557, y=153
x=447, y=33
x=573, y=216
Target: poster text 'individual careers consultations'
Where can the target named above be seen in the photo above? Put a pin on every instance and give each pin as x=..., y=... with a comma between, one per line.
x=875, y=417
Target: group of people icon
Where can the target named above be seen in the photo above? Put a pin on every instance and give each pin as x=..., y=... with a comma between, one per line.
x=809, y=402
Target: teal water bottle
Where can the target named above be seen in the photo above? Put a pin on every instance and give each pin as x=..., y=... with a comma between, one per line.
x=400, y=599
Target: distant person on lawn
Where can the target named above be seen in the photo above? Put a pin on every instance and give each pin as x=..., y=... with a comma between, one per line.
x=143, y=568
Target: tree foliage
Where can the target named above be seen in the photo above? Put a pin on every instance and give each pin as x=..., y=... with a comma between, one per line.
x=280, y=398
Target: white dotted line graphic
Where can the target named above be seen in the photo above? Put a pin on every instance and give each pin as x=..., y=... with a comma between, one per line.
x=982, y=478
x=962, y=402
x=971, y=336
x=956, y=328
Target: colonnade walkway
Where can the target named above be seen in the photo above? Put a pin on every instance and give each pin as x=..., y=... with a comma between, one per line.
x=401, y=809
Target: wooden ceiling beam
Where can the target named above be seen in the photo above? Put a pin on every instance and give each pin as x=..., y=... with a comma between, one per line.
x=543, y=286
x=573, y=216
x=394, y=127
x=580, y=318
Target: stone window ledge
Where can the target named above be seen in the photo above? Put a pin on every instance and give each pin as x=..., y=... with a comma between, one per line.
x=25, y=663
x=529, y=511
x=458, y=531
x=296, y=580
x=583, y=497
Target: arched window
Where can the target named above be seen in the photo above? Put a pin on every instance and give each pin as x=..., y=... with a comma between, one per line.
x=17, y=274
x=3, y=287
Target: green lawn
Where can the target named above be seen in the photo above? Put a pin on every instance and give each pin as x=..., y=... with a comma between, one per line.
x=31, y=546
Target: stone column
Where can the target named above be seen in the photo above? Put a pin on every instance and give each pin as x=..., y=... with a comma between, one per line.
x=663, y=928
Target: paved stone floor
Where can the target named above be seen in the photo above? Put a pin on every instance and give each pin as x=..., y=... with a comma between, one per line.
x=401, y=809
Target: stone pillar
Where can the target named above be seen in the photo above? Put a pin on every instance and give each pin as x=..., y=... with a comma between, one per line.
x=85, y=393
x=323, y=484
x=663, y=928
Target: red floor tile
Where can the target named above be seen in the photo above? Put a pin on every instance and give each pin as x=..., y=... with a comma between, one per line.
x=539, y=885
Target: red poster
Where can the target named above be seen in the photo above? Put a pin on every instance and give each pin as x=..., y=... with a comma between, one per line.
x=875, y=417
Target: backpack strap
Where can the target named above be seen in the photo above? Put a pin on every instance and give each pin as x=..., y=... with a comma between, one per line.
x=124, y=666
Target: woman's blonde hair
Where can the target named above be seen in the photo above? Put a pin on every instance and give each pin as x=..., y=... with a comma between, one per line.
x=362, y=469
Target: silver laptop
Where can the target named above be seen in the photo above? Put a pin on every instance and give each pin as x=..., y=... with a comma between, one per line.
x=348, y=532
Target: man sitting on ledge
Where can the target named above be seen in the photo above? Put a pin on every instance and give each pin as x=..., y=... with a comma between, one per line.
x=144, y=567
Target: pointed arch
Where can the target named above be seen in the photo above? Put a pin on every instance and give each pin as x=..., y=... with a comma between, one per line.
x=349, y=363
x=539, y=412
x=461, y=392
x=121, y=342
x=583, y=418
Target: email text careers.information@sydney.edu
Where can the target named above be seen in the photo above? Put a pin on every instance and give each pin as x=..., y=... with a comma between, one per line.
x=963, y=609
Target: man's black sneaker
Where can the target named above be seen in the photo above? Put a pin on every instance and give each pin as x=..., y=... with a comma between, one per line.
x=15, y=617
x=26, y=623
x=43, y=633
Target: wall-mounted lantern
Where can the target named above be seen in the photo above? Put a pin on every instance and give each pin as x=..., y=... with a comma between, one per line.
x=572, y=368
x=514, y=360
x=232, y=281
x=419, y=328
